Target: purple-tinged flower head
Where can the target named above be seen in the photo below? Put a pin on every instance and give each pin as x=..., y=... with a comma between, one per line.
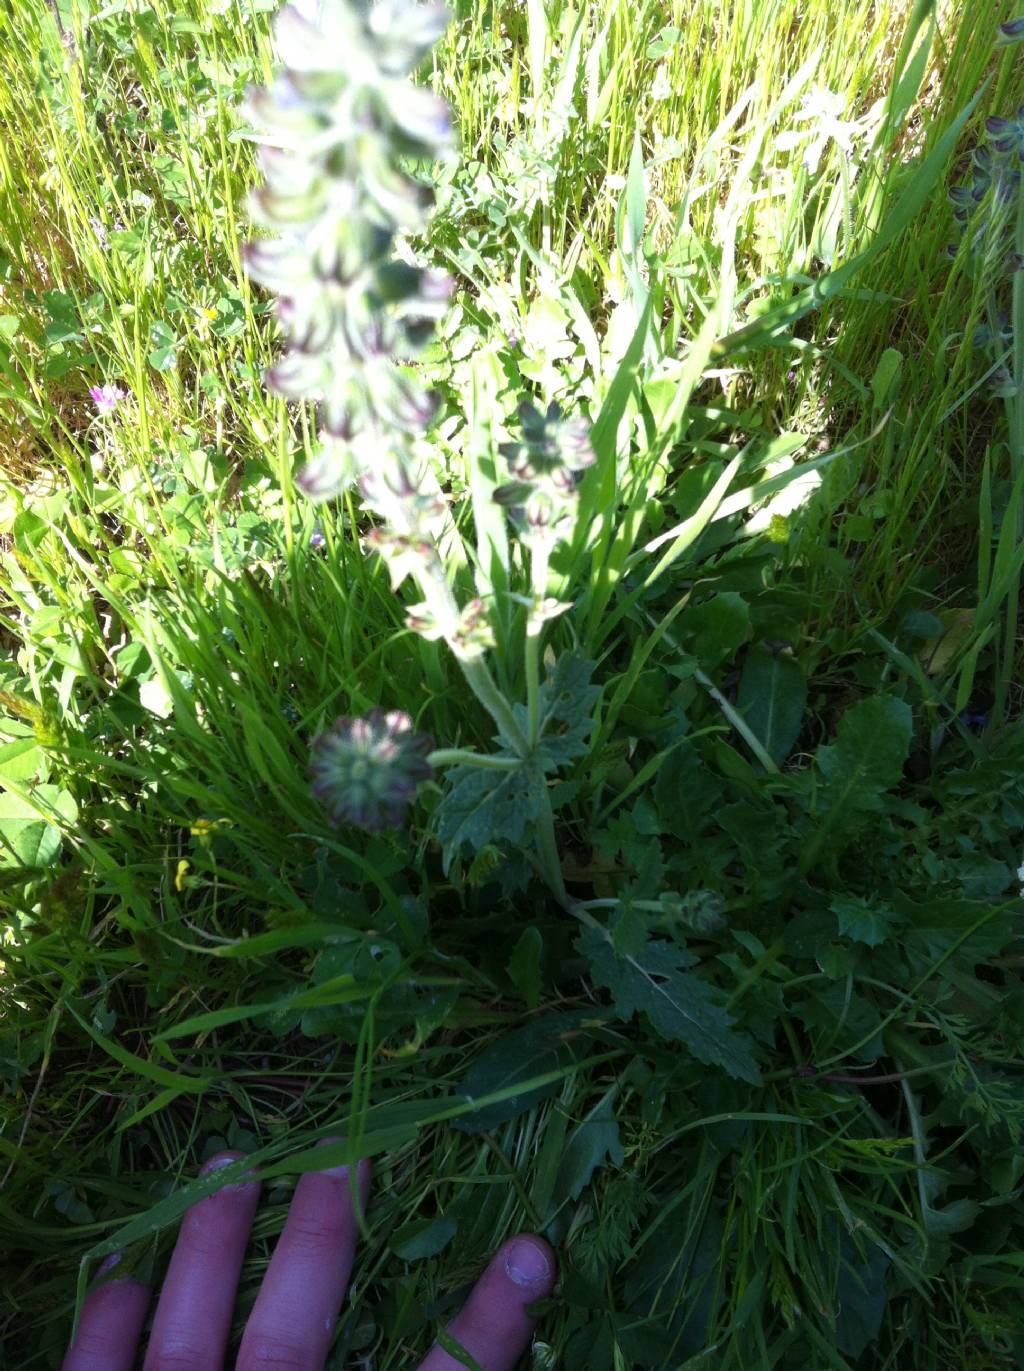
x=365, y=771
x=1007, y=135
x=107, y=398
x=1002, y=384
x=316, y=538
x=983, y=335
x=1010, y=32
x=546, y=463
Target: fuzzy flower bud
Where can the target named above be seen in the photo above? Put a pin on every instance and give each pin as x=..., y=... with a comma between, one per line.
x=365, y=771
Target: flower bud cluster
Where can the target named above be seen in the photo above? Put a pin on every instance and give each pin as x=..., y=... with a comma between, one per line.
x=542, y=498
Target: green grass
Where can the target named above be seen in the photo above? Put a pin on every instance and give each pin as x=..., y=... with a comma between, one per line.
x=171, y=639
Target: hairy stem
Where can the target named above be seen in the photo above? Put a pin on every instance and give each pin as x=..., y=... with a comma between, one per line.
x=482, y=683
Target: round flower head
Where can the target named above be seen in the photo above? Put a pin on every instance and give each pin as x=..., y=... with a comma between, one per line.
x=365, y=771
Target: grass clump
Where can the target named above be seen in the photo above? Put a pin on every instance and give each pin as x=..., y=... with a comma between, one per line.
x=699, y=947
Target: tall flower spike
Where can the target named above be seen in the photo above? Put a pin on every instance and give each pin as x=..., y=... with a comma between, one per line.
x=335, y=124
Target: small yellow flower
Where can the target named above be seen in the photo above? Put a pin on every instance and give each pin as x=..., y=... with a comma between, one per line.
x=181, y=876
x=204, y=829
x=205, y=316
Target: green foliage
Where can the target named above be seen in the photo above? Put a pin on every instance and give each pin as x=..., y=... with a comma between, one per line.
x=755, y=1070
x=651, y=979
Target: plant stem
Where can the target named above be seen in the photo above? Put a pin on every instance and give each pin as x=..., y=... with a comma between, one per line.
x=482, y=684
x=460, y=756
x=548, y=849
x=532, y=687
x=539, y=557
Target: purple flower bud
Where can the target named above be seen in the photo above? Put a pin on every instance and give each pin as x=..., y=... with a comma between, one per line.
x=365, y=771
x=1010, y=32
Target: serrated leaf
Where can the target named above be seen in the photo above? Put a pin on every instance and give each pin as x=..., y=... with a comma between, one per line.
x=680, y=1006
x=483, y=805
x=860, y=920
x=867, y=757
x=865, y=761
x=772, y=695
x=566, y=706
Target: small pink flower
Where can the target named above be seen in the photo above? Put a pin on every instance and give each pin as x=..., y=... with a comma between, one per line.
x=107, y=398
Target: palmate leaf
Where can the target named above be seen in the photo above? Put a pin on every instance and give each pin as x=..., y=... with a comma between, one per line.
x=680, y=1006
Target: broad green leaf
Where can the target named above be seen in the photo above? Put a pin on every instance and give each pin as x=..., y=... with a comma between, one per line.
x=20, y=760
x=867, y=757
x=27, y=838
x=722, y=625
x=772, y=695
x=595, y=1141
x=861, y=920
x=680, y=1006
x=423, y=1238
x=861, y=1297
x=865, y=761
x=484, y=805
x=525, y=965
x=566, y=709
x=552, y=1041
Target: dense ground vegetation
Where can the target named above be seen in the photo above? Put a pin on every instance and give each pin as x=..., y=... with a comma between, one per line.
x=776, y=244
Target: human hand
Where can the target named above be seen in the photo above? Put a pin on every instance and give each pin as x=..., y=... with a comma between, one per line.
x=293, y=1318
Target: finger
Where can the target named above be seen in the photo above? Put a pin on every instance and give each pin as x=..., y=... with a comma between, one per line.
x=493, y=1327
x=110, y=1326
x=193, y=1315
x=295, y=1311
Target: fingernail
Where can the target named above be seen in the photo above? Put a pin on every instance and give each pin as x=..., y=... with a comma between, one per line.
x=527, y=1263
x=218, y=1164
x=340, y=1171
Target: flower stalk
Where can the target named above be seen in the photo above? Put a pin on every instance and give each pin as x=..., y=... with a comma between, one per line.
x=337, y=126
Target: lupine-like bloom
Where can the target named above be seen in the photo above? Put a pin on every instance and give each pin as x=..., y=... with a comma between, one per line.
x=1007, y=135
x=365, y=771
x=336, y=122
x=106, y=398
